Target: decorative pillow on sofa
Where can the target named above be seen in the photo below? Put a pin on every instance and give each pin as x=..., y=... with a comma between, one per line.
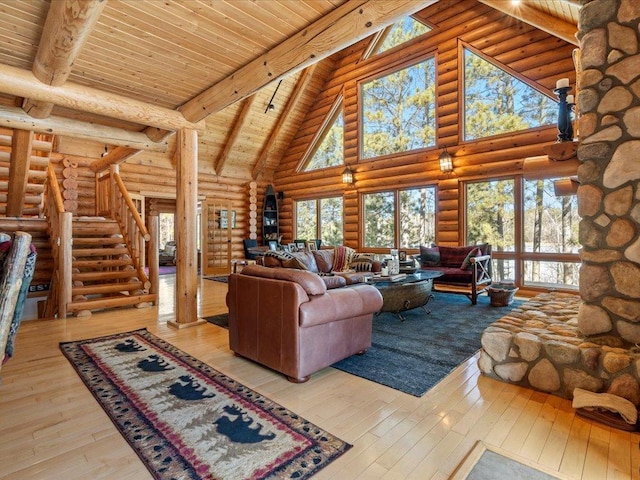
x=466, y=263
x=361, y=262
x=301, y=261
x=429, y=256
x=324, y=259
x=342, y=257
x=452, y=257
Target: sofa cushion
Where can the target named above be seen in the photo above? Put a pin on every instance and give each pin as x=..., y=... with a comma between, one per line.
x=429, y=256
x=311, y=283
x=333, y=281
x=466, y=263
x=324, y=259
x=302, y=261
x=453, y=257
x=342, y=257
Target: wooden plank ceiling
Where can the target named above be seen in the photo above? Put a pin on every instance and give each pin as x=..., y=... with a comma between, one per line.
x=189, y=60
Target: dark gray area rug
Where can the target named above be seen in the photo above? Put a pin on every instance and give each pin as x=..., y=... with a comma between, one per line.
x=218, y=278
x=415, y=354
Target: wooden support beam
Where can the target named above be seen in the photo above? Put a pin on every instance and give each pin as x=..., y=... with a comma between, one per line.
x=19, y=171
x=234, y=134
x=537, y=18
x=22, y=83
x=66, y=29
x=344, y=26
x=114, y=157
x=299, y=89
x=16, y=118
x=186, y=215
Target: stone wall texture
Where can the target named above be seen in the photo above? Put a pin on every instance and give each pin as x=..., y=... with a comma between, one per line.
x=609, y=149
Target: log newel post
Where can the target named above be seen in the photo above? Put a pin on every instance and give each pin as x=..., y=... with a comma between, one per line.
x=65, y=258
x=154, y=226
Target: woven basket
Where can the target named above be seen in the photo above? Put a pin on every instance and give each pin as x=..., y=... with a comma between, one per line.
x=501, y=294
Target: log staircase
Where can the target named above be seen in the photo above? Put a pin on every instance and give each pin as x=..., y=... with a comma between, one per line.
x=103, y=273
x=87, y=263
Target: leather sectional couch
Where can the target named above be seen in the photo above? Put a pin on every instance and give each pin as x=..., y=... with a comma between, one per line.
x=297, y=322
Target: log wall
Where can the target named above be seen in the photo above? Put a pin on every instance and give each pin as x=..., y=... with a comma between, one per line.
x=537, y=57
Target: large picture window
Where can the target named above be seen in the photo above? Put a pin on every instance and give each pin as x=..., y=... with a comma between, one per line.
x=533, y=232
x=496, y=102
x=398, y=111
x=320, y=219
x=400, y=218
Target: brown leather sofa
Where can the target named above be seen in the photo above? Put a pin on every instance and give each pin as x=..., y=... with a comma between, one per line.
x=287, y=319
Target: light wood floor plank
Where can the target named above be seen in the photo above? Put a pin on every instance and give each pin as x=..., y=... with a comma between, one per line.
x=52, y=427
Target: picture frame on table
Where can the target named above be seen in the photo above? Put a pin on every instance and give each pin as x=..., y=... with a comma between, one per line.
x=292, y=247
x=311, y=245
x=301, y=245
x=273, y=245
x=402, y=256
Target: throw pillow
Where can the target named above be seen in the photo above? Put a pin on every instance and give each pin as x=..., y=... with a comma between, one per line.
x=361, y=263
x=324, y=259
x=466, y=263
x=429, y=256
x=301, y=261
x=342, y=257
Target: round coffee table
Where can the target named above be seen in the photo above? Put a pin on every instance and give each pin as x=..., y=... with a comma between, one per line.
x=407, y=293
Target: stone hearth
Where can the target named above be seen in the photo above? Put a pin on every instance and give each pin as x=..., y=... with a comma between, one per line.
x=539, y=345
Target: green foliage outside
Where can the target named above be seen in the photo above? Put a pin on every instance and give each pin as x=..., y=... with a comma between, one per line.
x=398, y=111
x=401, y=32
x=330, y=153
x=496, y=102
x=417, y=207
x=327, y=227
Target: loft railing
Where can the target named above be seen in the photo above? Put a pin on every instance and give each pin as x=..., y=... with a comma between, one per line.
x=61, y=234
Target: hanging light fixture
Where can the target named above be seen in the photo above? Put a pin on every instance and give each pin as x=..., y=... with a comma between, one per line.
x=347, y=175
x=446, y=163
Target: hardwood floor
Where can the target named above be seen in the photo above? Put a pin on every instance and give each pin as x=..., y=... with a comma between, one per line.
x=52, y=428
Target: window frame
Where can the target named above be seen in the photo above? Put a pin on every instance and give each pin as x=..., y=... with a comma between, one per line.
x=396, y=217
x=317, y=201
x=337, y=107
x=386, y=70
x=461, y=94
x=519, y=256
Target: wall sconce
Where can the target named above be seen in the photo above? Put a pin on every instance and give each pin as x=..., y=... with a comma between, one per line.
x=347, y=175
x=446, y=164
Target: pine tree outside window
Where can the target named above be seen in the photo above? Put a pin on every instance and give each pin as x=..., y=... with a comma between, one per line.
x=320, y=218
x=401, y=32
x=329, y=144
x=398, y=111
x=496, y=102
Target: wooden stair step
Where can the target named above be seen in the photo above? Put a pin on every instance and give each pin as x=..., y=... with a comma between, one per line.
x=109, y=302
x=102, y=275
x=103, y=288
x=99, y=252
x=101, y=241
x=100, y=264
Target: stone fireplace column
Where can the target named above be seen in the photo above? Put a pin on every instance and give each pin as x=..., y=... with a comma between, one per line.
x=609, y=192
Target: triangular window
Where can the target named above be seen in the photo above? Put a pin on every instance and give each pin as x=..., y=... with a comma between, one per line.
x=327, y=149
x=495, y=101
x=401, y=32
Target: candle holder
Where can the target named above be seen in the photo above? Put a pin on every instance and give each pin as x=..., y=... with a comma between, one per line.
x=565, y=129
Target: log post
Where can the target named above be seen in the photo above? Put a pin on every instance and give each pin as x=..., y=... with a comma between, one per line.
x=65, y=262
x=154, y=276
x=186, y=214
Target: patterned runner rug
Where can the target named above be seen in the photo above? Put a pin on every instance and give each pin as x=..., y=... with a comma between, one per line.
x=186, y=420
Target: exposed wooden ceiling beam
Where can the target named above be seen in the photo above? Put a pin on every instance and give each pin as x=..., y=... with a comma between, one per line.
x=344, y=26
x=66, y=29
x=18, y=171
x=22, y=83
x=114, y=157
x=299, y=89
x=545, y=22
x=234, y=134
x=14, y=117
